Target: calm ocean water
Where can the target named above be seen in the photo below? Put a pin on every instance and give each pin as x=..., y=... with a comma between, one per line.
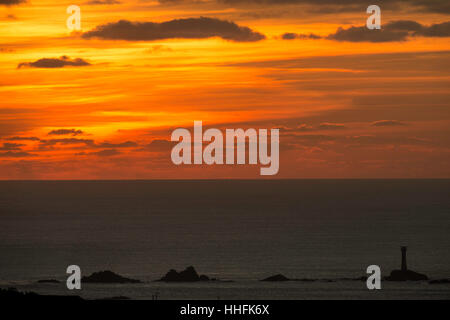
x=232, y=230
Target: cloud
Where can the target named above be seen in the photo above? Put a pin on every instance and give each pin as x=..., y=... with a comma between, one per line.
x=435, y=30
x=362, y=34
x=191, y=28
x=61, y=132
x=11, y=154
x=87, y=142
x=106, y=153
x=11, y=2
x=308, y=128
x=102, y=2
x=127, y=144
x=292, y=36
x=331, y=126
x=393, y=31
x=303, y=127
x=159, y=145
x=17, y=138
x=66, y=141
x=329, y=6
x=11, y=146
x=102, y=153
x=387, y=123
x=61, y=62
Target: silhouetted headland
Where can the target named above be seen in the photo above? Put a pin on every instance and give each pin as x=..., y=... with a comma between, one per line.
x=107, y=277
x=404, y=274
x=116, y=298
x=48, y=281
x=187, y=275
x=440, y=281
x=11, y=294
x=282, y=278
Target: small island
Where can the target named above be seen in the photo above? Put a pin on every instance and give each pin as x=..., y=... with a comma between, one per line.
x=107, y=277
x=282, y=278
x=276, y=278
x=187, y=275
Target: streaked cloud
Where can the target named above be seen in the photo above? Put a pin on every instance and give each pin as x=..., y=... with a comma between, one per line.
x=331, y=126
x=18, y=138
x=102, y=2
x=11, y=146
x=13, y=154
x=60, y=132
x=387, y=123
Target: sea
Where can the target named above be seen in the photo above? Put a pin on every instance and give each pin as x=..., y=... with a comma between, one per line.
x=238, y=231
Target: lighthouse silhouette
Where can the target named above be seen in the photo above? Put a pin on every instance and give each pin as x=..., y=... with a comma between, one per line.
x=404, y=274
x=404, y=266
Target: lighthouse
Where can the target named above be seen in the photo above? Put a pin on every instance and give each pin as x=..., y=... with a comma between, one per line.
x=404, y=267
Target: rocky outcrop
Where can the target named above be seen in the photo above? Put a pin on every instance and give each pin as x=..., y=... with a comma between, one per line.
x=276, y=278
x=282, y=278
x=406, y=275
x=187, y=275
x=107, y=277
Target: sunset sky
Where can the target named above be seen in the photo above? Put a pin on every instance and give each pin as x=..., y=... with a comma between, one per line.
x=101, y=103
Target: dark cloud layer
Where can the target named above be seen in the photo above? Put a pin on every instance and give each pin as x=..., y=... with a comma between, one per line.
x=160, y=145
x=88, y=142
x=17, y=138
x=292, y=36
x=192, y=28
x=61, y=62
x=392, y=31
x=438, y=6
x=11, y=2
x=12, y=154
x=11, y=146
x=66, y=141
x=127, y=144
x=102, y=2
x=106, y=153
x=60, y=132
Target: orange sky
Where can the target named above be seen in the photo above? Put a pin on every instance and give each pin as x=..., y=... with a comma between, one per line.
x=346, y=109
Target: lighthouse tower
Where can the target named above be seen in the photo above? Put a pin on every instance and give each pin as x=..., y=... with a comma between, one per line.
x=404, y=267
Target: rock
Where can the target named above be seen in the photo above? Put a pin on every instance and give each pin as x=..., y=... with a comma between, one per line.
x=440, y=281
x=406, y=275
x=276, y=278
x=117, y=298
x=12, y=295
x=306, y=280
x=187, y=275
x=48, y=281
x=107, y=277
